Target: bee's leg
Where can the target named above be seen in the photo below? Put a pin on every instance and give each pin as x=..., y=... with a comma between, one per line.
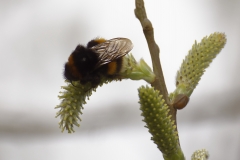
x=94, y=80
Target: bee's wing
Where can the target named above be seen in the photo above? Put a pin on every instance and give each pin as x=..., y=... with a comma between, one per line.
x=112, y=50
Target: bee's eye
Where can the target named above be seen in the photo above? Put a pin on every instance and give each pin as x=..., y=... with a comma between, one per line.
x=84, y=59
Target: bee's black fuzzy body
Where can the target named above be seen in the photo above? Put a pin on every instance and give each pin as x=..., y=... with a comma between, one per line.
x=101, y=58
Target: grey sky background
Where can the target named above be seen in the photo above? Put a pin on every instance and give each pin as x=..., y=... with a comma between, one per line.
x=36, y=38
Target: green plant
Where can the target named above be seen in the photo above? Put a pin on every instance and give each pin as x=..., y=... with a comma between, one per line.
x=158, y=107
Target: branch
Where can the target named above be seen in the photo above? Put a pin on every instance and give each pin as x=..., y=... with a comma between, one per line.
x=159, y=83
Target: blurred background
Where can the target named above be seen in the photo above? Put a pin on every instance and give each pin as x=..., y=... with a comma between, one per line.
x=36, y=38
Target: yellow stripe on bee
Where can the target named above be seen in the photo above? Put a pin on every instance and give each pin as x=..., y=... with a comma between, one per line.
x=100, y=40
x=72, y=67
x=112, y=67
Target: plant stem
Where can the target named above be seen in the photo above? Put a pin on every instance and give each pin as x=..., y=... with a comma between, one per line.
x=148, y=31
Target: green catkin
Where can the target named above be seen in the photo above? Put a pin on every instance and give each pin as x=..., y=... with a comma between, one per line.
x=73, y=97
x=136, y=70
x=201, y=154
x=198, y=59
x=196, y=62
x=159, y=123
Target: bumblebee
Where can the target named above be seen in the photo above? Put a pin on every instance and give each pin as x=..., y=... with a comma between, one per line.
x=99, y=58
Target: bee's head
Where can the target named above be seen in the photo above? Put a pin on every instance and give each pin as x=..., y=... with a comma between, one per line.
x=69, y=72
x=84, y=59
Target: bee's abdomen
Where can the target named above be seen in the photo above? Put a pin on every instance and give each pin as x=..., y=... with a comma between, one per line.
x=114, y=67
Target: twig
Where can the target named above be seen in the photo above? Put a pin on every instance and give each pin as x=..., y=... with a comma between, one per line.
x=159, y=83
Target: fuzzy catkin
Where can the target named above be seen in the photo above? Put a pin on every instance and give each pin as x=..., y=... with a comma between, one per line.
x=198, y=59
x=158, y=121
